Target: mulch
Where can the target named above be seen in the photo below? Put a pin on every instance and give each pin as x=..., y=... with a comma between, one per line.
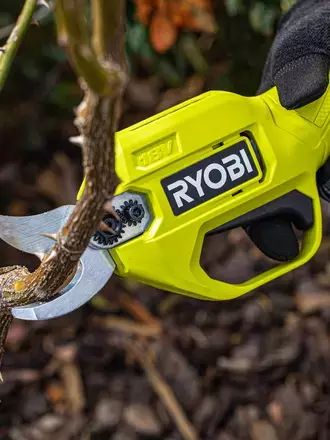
x=138, y=363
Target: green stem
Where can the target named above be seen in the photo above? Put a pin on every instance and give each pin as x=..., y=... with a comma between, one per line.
x=8, y=52
x=73, y=35
x=107, y=30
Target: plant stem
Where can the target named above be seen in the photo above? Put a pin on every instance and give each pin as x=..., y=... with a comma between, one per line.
x=8, y=52
x=107, y=35
x=73, y=35
x=103, y=81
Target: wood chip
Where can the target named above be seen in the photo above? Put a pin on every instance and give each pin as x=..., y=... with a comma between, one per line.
x=142, y=419
x=275, y=412
x=312, y=302
x=108, y=413
x=262, y=430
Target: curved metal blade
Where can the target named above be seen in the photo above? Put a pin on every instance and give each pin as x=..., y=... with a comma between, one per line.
x=24, y=233
x=95, y=269
x=95, y=266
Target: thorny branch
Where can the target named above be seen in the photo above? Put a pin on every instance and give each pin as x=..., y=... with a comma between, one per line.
x=9, y=50
x=101, y=67
x=41, y=16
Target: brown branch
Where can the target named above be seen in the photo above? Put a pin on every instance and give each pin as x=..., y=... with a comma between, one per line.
x=107, y=35
x=100, y=75
x=9, y=50
x=103, y=82
x=127, y=326
x=164, y=392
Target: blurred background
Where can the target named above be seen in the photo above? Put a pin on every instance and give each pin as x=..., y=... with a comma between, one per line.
x=257, y=368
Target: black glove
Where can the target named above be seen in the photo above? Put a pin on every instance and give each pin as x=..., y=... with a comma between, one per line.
x=298, y=64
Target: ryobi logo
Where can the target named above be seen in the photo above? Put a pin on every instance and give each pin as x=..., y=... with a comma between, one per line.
x=210, y=177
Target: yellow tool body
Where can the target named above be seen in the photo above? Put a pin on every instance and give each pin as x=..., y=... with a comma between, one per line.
x=206, y=163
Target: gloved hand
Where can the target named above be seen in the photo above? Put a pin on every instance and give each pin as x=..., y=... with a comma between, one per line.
x=298, y=64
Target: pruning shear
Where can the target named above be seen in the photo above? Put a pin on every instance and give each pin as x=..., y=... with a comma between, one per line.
x=213, y=163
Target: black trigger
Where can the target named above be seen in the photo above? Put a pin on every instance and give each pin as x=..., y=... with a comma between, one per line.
x=270, y=226
x=275, y=237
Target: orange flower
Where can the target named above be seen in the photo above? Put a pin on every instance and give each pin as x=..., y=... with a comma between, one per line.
x=163, y=32
x=193, y=14
x=166, y=17
x=144, y=9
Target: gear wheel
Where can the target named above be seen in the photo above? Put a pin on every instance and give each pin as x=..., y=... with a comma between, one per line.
x=105, y=238
x=132, y=212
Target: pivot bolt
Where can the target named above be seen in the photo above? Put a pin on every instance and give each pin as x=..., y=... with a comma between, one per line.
x=106, y=238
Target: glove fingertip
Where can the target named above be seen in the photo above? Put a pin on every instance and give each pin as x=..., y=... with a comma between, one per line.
x=302, y=81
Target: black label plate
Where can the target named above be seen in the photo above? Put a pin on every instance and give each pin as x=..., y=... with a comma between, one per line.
x=209, y=177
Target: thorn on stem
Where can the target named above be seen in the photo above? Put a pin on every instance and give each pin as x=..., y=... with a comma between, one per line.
x=51, y=236
x=110, y=209
x=43, y=3
x=40, y=255
x=76, y=140
x=50, y=257
x=105, y=228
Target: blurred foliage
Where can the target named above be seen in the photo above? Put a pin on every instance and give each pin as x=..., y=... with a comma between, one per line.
x=36, y=109
x=243, y=19
x=262, y=14
x=242, y=26
x=189, y=53
x=166, y=19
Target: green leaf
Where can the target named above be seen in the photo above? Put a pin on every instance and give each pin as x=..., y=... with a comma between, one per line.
x=234, y=7
x=222, y=82
x=64, y=95
x=54, y=52
x=287, y=4
x=136, y=37
x=5, y=19
x=189, y=47
x=262, y=18
x=169, y=73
